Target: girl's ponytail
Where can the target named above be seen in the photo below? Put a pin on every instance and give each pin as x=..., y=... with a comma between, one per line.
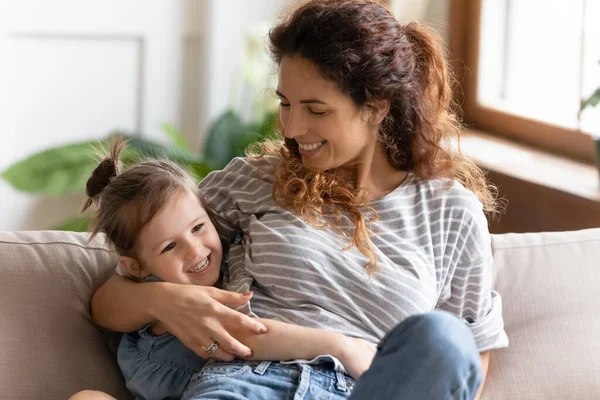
x=108, y=169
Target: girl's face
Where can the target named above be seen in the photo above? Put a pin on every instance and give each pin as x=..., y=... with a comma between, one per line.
x=330, y=130
x=180, y=244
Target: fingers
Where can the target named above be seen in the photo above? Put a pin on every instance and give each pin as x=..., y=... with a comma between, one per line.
x=249, y=323
x=231, y=345
x=239, y=320
x=232, y=299
x=220, y=354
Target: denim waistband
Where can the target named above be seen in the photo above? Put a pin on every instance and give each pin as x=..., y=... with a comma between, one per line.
x=260, y=367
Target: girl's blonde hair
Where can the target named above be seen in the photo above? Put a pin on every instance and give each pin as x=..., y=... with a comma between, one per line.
x=127, y=199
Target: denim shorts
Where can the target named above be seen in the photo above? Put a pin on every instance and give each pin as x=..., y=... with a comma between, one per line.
x=156, y=367
x=268, y=380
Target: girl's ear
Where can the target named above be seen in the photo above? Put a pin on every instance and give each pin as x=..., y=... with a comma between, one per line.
x=133, y=267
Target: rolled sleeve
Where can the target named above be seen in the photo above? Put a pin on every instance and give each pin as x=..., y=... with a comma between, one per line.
x=488, y=330
x=467, y=290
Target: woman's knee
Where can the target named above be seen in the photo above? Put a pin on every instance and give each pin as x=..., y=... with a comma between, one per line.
x=91, y=395
x=436, y=332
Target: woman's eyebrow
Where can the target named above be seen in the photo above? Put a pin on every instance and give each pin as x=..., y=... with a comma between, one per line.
x=305, y=101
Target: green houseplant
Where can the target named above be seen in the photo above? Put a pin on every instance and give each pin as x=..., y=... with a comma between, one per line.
x=593, y=101
x=64, y=170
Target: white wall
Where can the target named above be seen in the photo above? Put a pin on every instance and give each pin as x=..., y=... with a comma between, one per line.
x=229, y=21
x=75, y=71
x=434, y=13
x=72, y=71
x=172, y=61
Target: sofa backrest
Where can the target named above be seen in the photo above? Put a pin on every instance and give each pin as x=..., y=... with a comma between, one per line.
x=50, y=348
x=549, y=283
x=550, y=287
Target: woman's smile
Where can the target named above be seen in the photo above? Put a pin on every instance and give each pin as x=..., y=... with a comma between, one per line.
x=310, y=149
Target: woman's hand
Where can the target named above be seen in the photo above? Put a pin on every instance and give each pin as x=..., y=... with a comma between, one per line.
x=357, y=355
x=199, y=316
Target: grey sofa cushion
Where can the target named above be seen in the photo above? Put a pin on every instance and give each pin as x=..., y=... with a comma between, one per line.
x=550, y=286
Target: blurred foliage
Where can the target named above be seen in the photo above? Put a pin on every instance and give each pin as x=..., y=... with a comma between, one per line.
x=591, y=101
x=229, y=137
x=65, y=169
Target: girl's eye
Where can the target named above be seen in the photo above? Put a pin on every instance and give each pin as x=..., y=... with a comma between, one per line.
x=317, y=112
x=197, y=228
x=282, y=104
x=169, y=247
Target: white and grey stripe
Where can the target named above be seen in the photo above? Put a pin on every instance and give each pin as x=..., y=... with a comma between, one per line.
x=432, y=244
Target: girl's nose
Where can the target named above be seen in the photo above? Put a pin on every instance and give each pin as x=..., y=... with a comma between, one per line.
x=194, y=249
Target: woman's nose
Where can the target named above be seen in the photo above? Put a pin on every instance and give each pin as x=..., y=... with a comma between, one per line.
x=293, y=125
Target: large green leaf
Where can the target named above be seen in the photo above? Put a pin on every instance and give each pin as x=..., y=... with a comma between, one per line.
x=592, y=101
x=65, y=169
x=149, y=148
x=256, y=133
x=176, y=137
x=223, y=138
x=55, y=172
x=199, y=169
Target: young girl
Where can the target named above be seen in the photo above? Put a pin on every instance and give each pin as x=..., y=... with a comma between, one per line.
x=162, y=229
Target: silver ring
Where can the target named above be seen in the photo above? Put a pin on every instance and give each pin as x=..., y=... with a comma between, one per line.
x=212, y=348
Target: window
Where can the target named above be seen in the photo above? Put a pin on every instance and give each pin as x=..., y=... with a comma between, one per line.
x=529, y=64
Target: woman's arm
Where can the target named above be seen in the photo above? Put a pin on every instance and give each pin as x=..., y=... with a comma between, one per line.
x=197, y=315
x=288, y=342
x=485, y=362
x=113, y=309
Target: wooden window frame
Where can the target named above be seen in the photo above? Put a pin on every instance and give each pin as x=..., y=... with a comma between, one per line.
x=464, y=52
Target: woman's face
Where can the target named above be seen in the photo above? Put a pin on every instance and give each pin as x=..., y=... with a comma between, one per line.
x=330, y=130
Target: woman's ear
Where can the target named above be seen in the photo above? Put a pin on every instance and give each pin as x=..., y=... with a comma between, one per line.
x=377, y=111
x=133, y=267
x=381, y=109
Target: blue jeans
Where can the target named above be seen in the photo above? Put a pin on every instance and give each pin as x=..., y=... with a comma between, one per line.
x=427, y=356
x=256, y=380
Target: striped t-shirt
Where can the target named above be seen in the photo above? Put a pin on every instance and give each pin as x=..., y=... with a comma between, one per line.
x=432, y=245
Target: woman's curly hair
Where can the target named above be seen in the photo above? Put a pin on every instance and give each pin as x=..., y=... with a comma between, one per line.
x=361, y=46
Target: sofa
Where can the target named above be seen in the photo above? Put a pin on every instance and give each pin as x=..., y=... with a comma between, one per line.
x=50, y=349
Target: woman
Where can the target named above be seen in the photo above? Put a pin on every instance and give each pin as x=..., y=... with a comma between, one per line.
x=364, y=220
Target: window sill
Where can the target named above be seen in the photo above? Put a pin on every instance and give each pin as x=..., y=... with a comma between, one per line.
x=531, y=165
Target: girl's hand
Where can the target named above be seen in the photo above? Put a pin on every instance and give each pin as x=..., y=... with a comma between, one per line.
x=199, y=316
x=357, y=355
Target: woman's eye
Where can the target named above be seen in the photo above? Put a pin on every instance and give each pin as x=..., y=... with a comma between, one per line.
x=197, y=228
x=169, y=247
x=282, y=104
x=317, y=112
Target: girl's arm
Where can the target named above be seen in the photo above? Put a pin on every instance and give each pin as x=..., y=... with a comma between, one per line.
x=197, y=315
x=288, y=342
